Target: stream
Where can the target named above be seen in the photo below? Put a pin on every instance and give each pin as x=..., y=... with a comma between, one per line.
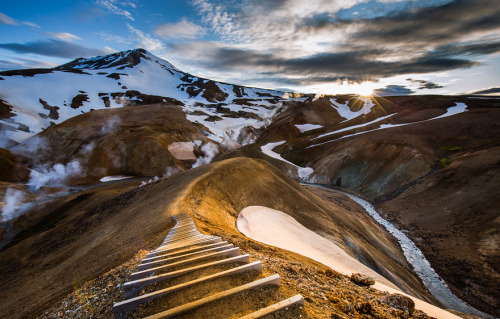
x=435, y=284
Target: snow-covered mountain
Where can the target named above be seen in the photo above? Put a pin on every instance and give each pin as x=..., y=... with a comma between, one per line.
x=32, y=100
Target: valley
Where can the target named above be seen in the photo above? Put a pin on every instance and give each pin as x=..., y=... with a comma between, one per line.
x=166, y=142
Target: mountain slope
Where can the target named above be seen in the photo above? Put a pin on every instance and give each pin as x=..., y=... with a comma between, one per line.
x=78, y=236
x=430, y=170
x=429, y=162
x=33, y=100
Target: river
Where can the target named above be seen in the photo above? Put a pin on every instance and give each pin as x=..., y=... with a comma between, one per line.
x=435, y=284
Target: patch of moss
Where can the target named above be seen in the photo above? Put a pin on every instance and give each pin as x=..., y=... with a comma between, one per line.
x=450, y=148
x=444, y=162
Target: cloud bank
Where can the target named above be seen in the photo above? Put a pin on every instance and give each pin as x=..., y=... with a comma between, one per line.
x=319, y=41
x=53, y=48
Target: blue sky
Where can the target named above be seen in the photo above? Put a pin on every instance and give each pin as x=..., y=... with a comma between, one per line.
x=323, y=46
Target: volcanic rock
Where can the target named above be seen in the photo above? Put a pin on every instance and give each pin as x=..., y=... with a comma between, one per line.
x=362, y=280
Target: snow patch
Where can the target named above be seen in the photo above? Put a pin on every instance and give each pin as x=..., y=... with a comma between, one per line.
x=274, y=227
x=182, y=150
x=267, y=149
x=113, y=178
x=345, y=111
x=307, y=127
x=457, y=109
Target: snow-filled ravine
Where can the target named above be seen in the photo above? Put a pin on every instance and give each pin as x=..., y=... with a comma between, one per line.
x=436, y=285
x=267, y=149
x=457, y=109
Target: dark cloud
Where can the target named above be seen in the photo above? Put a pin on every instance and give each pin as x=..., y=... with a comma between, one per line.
x=488, y=91
x=274, y=40
x=392, y=90
x=445, y=23
x=426, y=84
x=358, y=66
x=53, y=48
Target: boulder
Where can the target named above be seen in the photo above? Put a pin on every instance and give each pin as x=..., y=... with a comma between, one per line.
x=399, y=302
x=362, y=280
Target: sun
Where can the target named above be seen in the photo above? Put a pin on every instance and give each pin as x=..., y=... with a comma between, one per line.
x=365, y=92
x=364, y=89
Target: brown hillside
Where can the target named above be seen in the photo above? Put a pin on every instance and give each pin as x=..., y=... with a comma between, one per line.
x=80, y=236
x=132, y=140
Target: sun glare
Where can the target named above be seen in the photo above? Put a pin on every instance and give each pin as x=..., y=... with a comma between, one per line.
x=363, y=89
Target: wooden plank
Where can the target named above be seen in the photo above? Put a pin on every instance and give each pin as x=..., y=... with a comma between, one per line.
x=184, y=238
x=185, y=251
x=144, y=273
x=132, y=287
x=295, y=300
x=271, y=280
x=120, y=309
x=184, y=243
x=151, y=264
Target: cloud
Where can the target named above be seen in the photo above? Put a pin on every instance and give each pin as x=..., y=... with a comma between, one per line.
x=23, y=63
x=5, y=19
x=53, y=48
x=64, y=36
x=425, y=84
x=31, y=24
x=180, y=30
x=488, y=91
x=292, y=41
x=392, y=90
x=113, y=38
x=145, y=40
x=434, y=24
x=111, y=7
x=366, y=64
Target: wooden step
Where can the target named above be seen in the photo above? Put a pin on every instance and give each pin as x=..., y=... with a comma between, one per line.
x=120, y=309
x=153, y=263
x=189, y=250
x=271, y=280
x=295, y=300
x=144, y=273
x=182, y=234
x=131, y=288
x=184, y=246
x=185, y=238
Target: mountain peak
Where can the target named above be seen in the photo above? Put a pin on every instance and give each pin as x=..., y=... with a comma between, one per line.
x=122, y=60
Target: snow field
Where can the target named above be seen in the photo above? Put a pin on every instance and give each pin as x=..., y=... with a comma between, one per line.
x=275, y=228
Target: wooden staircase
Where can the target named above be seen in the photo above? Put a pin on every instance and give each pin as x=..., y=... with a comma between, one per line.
x=192, y=275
